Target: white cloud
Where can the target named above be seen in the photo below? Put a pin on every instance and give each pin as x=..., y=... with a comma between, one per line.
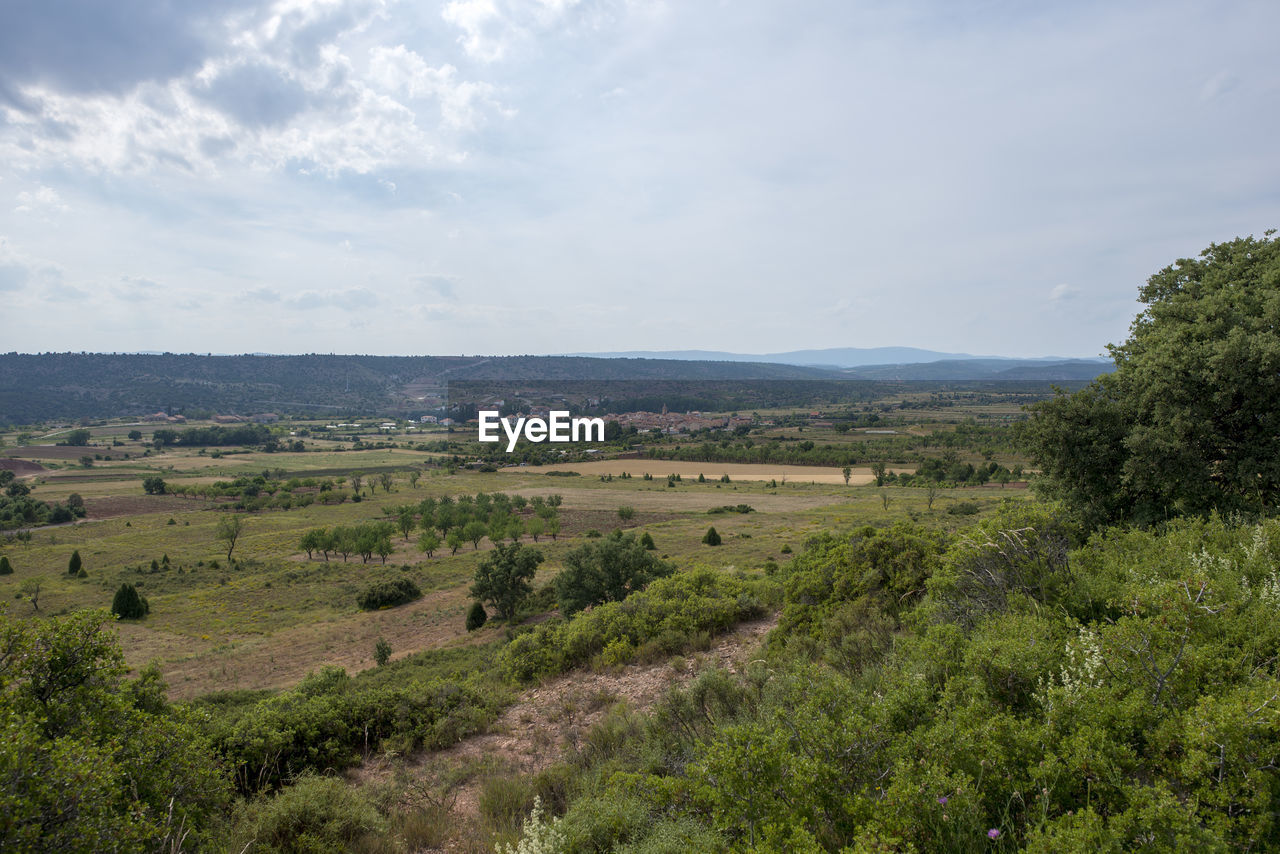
x=485, y=34
x=43, y=200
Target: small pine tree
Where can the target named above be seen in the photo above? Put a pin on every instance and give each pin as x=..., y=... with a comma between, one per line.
x=711, y=538
x=128, y=604
x=647, y=541
x=5, y=567
x=73, y=565
x=476, y=617
x=382, y=652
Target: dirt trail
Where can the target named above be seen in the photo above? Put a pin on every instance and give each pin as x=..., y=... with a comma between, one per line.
x=547, y=722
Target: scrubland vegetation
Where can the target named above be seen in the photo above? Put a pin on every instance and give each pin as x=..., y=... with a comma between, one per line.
x=952, y=666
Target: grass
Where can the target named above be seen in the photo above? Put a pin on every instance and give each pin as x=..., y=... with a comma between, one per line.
x=270, y=616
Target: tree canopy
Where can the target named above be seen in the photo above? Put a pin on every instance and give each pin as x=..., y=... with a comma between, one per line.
x=1189, y=422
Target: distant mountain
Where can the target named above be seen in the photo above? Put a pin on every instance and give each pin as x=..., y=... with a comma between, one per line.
x=953, y=370
x=836, y=357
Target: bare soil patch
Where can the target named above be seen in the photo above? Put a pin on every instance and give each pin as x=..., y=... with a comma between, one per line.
x=21, y=468
x=549, y=720
x=132, y=505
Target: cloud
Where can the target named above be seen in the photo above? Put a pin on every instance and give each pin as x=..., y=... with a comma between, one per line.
x=261, y=295
x=440, y=285
x=17, y=270
x=91, y=46
x=1218, y=85
x=255, y=95
x=136, y=289
x=485, y=34
x=42, y=200
x=399, y=70
x=277, y=90
x=351, y=299
x=1062, y=293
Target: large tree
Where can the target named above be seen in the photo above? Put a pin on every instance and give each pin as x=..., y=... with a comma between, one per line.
x=1189, y=422
x=502, y=579
x=606, y=571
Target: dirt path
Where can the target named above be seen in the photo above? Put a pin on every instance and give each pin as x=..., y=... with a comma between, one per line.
x=549, y=720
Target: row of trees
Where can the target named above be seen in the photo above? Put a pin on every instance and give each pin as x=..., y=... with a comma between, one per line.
x=367, y=539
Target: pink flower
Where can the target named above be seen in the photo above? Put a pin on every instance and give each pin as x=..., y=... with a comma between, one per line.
x=993, y=833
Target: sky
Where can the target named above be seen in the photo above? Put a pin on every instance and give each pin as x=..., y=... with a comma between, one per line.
x=551, y=176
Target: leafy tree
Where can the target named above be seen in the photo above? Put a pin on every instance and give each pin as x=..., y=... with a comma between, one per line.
x=386, y=480
x=1188, y=423
x=135, y=435
x=414, y=476
x=536, y=527
x=153, y=486
x=428, y=542
x=93, y=762
x=78, y=438
x=711, y=537
x=357, y=479
x=128, y=604
x=228, y=531
x=606, y=571
x=30, y=588
x=474, y=531
x=878, y=469
x=382, y=652
x=847, y=471
x=74, y=564
x=454, y=541
x=476, y=616
x=405, y=519
x=502, y=579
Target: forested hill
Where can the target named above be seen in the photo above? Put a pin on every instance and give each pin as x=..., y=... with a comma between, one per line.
x=48, y=386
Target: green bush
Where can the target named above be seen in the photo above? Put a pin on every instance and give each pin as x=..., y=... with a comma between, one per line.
x=74, y=564
x=652, y=624
x=5, y=567
x=128, y=604
x=314, y=815
x=476, y=616
x=388, y=594
x=711, y=537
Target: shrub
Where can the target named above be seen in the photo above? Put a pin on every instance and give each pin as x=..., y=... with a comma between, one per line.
x=73, y=565
x=606, y=571
x=626, y=512
x=711, y=537
x=646, y=540
x=382, y=652
x=314, y=814
x=963, y=508
x=5, y=567
x=388, y=594
x=129, y=604
x=476, y=616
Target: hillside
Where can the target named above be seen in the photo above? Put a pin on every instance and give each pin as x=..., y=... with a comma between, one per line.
x=51, y=386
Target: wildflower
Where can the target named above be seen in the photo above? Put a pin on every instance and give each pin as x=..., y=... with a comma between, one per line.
x=993, y=833
x=943, y=800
